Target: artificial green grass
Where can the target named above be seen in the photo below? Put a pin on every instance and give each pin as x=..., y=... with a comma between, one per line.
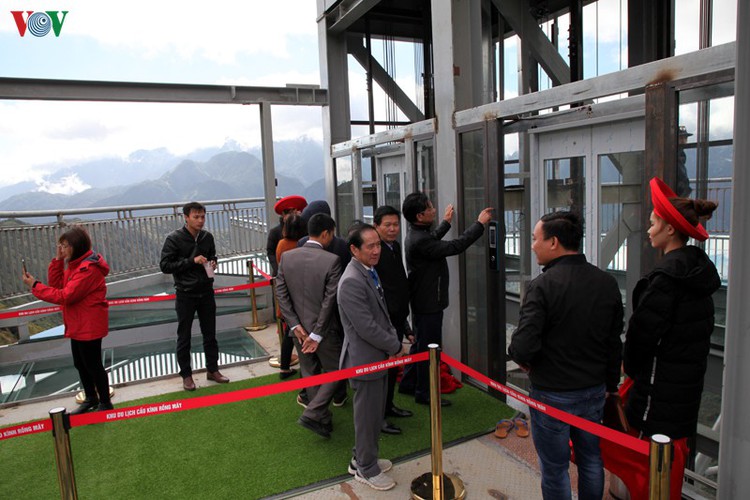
x=250, y=449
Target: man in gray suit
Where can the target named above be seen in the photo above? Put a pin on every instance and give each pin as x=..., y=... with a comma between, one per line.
x=369, y=337
x=306, y=289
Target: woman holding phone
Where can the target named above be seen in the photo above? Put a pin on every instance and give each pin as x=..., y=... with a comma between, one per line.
x=76, y=282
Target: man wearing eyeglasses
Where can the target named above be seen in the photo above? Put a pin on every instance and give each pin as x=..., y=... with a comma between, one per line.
x=426, y=262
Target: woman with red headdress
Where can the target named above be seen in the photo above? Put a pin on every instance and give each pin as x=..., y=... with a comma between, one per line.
x=668, y=339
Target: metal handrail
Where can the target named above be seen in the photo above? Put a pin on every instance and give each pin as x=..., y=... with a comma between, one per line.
x=130, y=238
x=119, y=208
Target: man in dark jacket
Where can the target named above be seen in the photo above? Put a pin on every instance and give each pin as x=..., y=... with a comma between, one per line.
x=189, y=255
x=568, y=339
x=338, y=246
x=426, y=254
x=395, y=284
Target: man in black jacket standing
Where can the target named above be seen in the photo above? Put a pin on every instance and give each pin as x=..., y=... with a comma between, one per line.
x=426, y=254
x=395, y=284
x=568, y=339
x=189, y=254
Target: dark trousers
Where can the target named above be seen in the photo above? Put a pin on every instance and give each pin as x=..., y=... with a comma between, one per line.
x=324, y=360
x=287, y=348
x=87, y=358
x=393, y=372
x=186, y=307
x=428, y=329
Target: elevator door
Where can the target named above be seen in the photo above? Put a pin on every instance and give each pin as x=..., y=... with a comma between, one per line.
x=596, y=171
x=392, y=179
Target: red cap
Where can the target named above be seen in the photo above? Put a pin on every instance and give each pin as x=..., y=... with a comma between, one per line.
x=660, y=195
x=290, y=202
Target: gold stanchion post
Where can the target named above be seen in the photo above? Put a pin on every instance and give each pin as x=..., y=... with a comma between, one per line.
x=660, y=464
x=65, y=476
x=255, y=326
x=435, y=484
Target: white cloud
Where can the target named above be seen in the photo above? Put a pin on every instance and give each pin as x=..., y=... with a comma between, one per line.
x=69, y=185
x=39, y=137
x=219, y=31
x=75, y=131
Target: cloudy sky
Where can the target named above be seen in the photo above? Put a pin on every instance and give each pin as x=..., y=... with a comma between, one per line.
x=226, y=42
x=232, y=42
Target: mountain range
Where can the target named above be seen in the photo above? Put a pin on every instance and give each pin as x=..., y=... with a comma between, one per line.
x=157, y=176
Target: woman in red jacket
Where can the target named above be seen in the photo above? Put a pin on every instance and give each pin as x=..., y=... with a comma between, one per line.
x=81, y=291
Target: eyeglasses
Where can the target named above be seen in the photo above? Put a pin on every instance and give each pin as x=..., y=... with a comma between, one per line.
x=64, y=244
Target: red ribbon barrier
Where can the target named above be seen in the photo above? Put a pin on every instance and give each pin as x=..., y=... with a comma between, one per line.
x=161, y=408
x=132, y=300
x=241, y=395
x=30, y=312
x=625, y=440
x=260, y=271
x=26, y=429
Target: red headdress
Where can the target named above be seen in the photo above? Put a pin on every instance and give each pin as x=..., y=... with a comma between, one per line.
x=660, y=194
x=290, y=202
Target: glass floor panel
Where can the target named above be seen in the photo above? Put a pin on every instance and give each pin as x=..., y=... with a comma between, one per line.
x=124, y=364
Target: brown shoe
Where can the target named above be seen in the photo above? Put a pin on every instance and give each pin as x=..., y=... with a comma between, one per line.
x=188, y=384
x=217, y=377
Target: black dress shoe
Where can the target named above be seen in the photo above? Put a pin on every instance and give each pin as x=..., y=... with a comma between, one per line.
x=389, y=428
x=105, y=407
x=395, y=411
x=285, y=375
x=85, y=407
x=443, y=402
x=312, y=425
x=217, y=377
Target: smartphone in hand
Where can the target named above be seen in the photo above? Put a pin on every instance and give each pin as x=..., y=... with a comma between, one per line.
x=23, y=265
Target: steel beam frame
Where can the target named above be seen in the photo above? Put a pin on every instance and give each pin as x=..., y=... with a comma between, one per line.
x=83, y=90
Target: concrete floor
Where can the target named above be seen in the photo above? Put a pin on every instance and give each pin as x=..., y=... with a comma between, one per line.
x=489, y=467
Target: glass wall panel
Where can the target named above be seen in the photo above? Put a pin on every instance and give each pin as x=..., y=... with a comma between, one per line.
x=369, y=188
x=724, y=21
x=475, y=286
x=620, y=178
x=344, y=193
x=426, y=180
x=566, y=185
x=686, y=26
x=709, y=149
x=392, y=189
x=513, y=214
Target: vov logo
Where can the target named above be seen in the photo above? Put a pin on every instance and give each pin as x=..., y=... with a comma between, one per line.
x=39, y=23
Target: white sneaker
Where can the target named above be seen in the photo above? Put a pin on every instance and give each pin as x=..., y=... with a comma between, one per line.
x=384, y=464
x=380, y=482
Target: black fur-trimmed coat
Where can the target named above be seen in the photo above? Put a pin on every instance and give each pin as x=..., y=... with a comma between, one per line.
x=667, y=343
